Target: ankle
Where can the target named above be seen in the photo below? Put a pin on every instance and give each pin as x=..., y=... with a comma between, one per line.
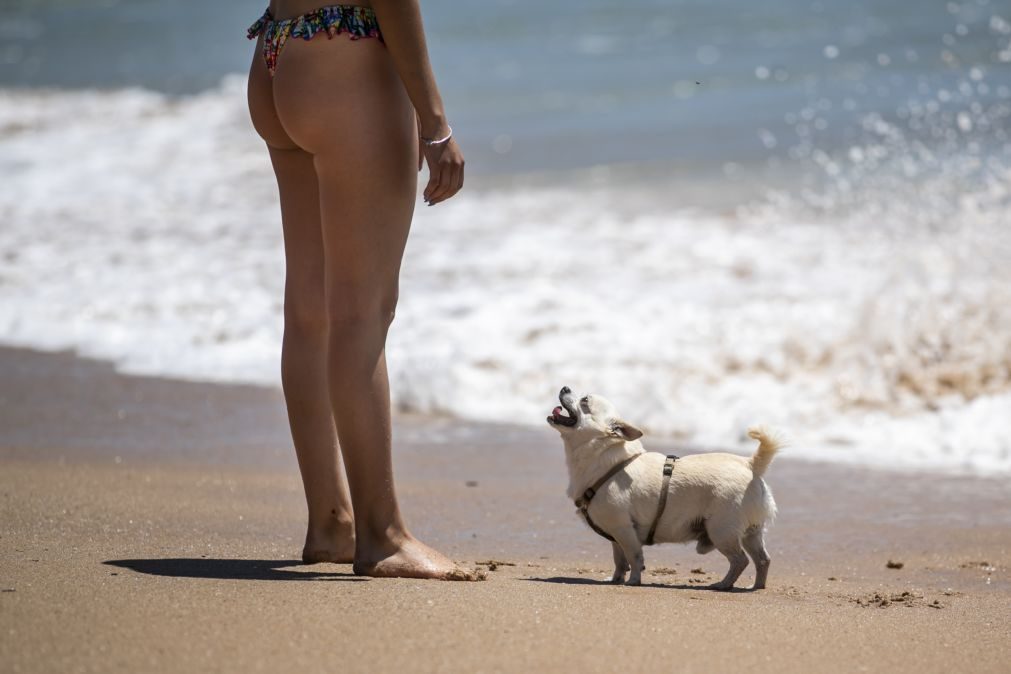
x=386, y=536
x=335, y=524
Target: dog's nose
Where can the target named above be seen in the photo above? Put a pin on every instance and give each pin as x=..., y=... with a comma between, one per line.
x=565, y=391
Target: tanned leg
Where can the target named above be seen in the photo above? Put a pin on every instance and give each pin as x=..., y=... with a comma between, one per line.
x=330, y=533
x=342, y=101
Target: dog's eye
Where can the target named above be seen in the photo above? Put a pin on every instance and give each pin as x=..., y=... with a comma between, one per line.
x=585, y=401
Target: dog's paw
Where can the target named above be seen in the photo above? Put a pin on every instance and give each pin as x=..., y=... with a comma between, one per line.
x=617, y=580
x=722, y=587
x=633, y=581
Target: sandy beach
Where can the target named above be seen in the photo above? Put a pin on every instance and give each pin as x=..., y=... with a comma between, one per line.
x=716, y=215
x=154, y=525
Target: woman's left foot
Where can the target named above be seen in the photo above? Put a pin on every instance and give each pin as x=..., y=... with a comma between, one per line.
x=411, y=558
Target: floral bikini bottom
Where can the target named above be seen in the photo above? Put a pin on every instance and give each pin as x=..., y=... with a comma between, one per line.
x=357, y=22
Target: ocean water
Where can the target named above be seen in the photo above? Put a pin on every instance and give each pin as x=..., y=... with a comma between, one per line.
x=715, y=214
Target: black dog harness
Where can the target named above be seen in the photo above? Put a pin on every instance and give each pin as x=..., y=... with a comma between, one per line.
x=583, y=502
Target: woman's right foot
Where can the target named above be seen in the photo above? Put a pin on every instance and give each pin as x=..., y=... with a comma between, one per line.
x=334, y=555
x=334, y=543
x=410, y=559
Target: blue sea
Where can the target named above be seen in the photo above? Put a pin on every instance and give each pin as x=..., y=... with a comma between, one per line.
x=714, y=213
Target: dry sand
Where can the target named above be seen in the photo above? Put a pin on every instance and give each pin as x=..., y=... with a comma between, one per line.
x=149, y=525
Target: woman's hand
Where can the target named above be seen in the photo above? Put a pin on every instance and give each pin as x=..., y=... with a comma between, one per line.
x=445, y=170
x=405, y=40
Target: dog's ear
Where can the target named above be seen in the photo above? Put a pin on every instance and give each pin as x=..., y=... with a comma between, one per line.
x=623, y=429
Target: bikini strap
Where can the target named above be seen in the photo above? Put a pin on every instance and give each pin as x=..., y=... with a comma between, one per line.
x=259, y=25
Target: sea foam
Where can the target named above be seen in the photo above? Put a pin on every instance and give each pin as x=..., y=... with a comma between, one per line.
x=145, y=229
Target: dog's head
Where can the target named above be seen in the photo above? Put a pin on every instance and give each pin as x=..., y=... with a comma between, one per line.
x=589, y=420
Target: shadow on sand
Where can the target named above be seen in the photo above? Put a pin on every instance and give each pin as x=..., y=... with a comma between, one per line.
x=228, y=569
x=563, y=580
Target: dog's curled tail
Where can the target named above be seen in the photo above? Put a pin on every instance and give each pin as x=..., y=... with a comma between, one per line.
x=769, y=442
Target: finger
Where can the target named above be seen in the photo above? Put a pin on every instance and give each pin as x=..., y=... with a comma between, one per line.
x=433, y=181
x=445, y=183
x=454, y=183
x=437, y=184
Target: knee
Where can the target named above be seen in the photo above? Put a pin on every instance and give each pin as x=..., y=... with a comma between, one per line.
x=305, y=315
x=350, y=316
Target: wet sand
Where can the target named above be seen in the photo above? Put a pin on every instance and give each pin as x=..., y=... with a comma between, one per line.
x=146, y=525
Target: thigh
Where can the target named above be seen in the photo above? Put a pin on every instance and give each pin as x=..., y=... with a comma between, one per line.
x=343, y=101
x=303, y=236
x=299, y=194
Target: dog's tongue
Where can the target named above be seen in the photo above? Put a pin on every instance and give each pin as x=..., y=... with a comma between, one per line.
x=557, y=412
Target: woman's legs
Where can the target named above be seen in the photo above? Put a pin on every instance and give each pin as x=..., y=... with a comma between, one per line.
x=330, y=533
x=366, y=208
x=342, y=101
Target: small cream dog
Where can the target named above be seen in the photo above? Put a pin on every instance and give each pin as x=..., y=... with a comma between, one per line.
x=719, y=500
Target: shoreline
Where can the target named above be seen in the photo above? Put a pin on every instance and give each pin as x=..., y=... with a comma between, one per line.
x=138, y=416
x=168, y=558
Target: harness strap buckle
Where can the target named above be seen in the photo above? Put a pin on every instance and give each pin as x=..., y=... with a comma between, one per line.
x=668, y=469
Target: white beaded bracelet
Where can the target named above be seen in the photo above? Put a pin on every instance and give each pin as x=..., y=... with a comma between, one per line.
x=438, y=141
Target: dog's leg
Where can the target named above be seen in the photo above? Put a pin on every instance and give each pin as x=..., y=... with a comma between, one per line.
x=620, y=565
x=754, y=543
x=730, y=545
x=631, y=549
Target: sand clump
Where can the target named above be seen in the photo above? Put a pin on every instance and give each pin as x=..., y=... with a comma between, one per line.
x=493, y=564
x=466, y=575
x=907, y=598
x=664, y=571
x=982, y=566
